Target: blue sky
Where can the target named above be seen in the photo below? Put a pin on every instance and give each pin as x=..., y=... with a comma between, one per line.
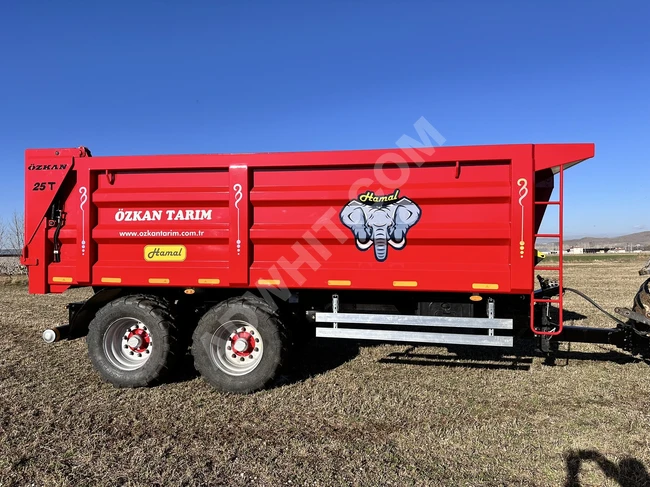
x=199, y=77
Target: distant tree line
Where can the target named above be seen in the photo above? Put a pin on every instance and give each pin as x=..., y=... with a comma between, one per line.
x=12, y=240
x=12, y=233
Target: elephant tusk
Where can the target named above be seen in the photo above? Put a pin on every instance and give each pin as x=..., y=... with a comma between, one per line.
x=364, y=246
x=397, y=245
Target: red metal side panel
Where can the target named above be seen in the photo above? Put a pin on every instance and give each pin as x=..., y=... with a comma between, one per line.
x=549, y=156
x=239, y=248
x=161, y=227
x=86, y=251
x=522, y=250
x=456, y=219
x=462, y=239
x=74, y=268
x=46, y=175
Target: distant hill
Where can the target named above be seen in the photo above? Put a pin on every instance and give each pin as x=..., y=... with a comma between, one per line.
x=641, y=238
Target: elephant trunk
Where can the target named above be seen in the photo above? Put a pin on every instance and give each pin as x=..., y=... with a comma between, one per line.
x=381, y=244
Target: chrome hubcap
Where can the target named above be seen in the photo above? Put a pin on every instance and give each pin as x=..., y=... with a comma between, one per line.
x=236, y=348
x=240, y=345
x=127, y=344
x=134, y=342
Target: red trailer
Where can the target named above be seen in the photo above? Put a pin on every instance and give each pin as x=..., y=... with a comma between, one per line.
x=252, y=254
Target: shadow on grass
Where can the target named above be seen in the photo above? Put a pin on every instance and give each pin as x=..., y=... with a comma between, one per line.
x=184, y=370
x=316, y=357
x=563, y=357
x=629, y=472
x=520, y=357
x=468, y=358
x=320, y=355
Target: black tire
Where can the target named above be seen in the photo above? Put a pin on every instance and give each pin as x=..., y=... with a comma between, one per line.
x=213, y=334
x=156, y=358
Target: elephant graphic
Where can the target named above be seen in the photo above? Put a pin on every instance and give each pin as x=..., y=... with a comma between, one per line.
x=380, y=225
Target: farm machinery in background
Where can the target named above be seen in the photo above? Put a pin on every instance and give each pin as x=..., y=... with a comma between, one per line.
x=639, y=315
x=641, y=307
x=248, y=256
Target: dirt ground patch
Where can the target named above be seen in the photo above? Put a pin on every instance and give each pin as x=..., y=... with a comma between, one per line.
x=10, y=266
x=348, y=415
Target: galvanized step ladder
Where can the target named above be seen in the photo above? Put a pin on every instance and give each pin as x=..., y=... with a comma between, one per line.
x=560, y=236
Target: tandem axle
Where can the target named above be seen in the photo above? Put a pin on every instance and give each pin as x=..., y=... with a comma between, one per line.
x=235, y=340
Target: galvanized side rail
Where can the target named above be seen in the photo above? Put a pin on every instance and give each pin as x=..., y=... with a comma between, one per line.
x=410, y=320
x=415, y=337
x=488, y=324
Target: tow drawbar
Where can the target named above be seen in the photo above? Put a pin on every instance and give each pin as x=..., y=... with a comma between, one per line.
x=55, y=334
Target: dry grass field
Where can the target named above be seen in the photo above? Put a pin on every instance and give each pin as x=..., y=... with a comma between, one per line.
x=347, y=415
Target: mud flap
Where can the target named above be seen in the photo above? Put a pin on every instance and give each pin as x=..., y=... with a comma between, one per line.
x=81, y=314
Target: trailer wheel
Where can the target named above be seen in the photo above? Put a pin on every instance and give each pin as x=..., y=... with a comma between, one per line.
x=240, y=345
x=132, y=341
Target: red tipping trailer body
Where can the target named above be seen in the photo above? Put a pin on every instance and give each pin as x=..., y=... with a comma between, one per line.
x=449, y=219
x=255, y=254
